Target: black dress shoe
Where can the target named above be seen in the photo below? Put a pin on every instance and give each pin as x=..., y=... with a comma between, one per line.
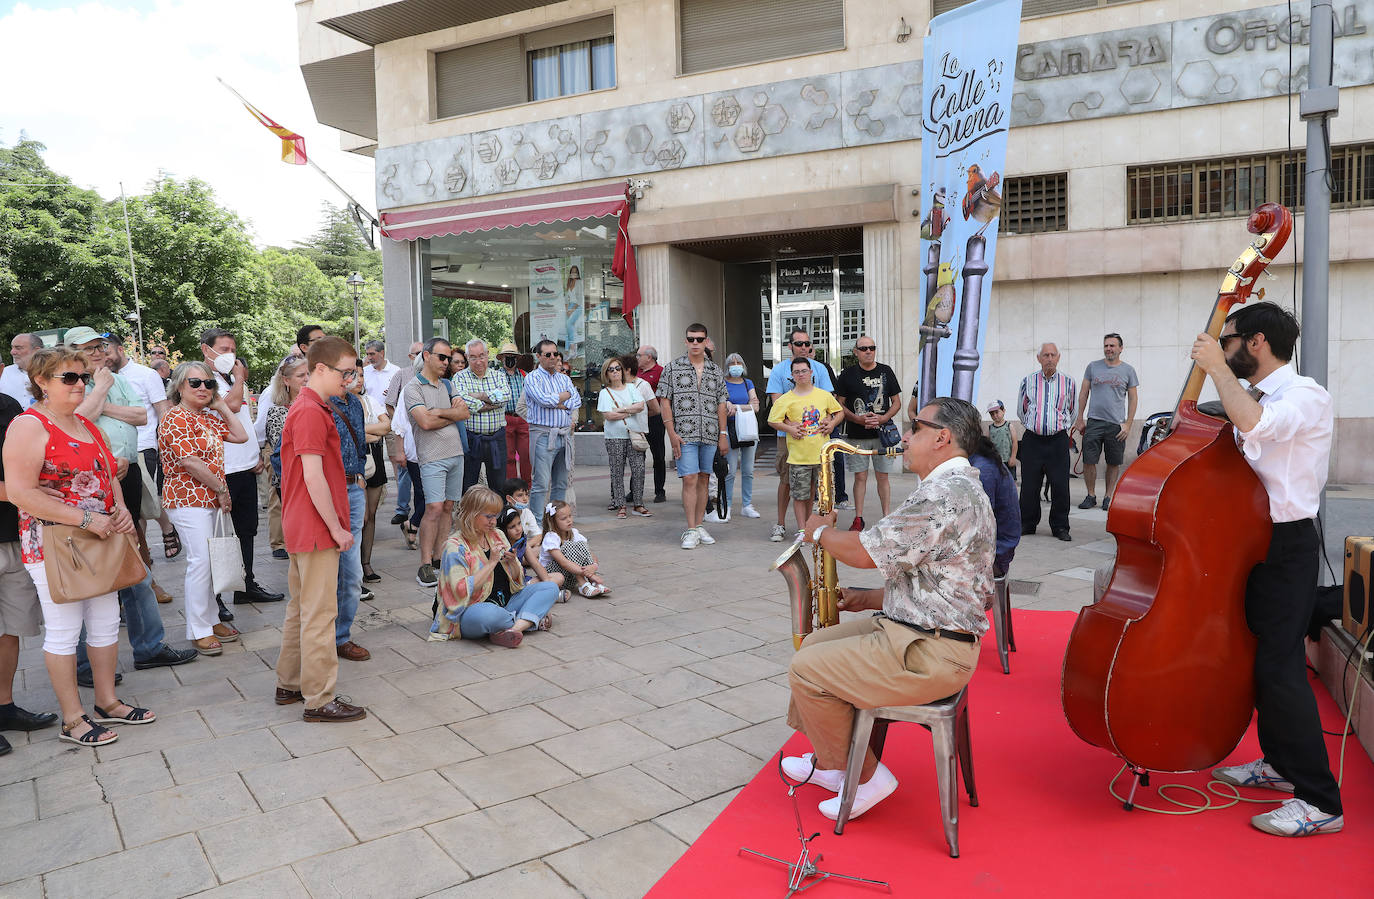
x=85, y=680
x=281, y=554
x=5, y=747
x=255, y=593
x=22, y=719
x=224, y=613
x=660, y=497
x=1063, y=535
x=399, y=517
x=167, y=657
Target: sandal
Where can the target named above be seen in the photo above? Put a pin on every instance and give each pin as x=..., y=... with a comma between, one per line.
x=643, y=512
x=509, y=638
x=409, y=531
x=564, y=595
x=545, y=623
x=603, y=590
x=226, y=633
x=93, y=737
x=208, y=646
x=588, y=589
x=621, y=513
x=171, y=544
x=135, y=715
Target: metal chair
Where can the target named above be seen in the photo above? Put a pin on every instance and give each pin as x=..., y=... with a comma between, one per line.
x=1001, y=621
x=947, y=721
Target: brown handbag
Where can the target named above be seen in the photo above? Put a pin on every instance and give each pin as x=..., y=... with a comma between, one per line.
x=80, y=565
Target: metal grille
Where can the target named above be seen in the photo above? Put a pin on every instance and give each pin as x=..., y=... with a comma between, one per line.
x=1233, y=186
x=720, y=33
x=1035, y=203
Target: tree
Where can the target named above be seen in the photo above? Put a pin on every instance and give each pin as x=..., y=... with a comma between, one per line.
x=475, y=318
x=337, y=249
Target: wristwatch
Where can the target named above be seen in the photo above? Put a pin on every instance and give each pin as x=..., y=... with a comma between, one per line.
x=816, y=534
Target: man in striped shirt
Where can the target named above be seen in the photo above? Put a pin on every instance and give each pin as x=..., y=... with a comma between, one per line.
x=550, y=398
x=1046, y=405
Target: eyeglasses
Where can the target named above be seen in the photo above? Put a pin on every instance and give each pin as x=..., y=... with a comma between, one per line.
x=70, y=378
x=801, y=343
x=348, y=374
x=691, y=339
x=865, y=349
x=916, y=424
x=157, y=352
x=207, y=383
x=548, y=355
x=1226, y=337
x=442, y=357
x=612, y=368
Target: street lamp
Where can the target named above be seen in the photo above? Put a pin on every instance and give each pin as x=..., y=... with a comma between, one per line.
x=355, y=281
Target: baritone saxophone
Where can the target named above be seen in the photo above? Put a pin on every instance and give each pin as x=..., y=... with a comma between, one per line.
x=815, y=601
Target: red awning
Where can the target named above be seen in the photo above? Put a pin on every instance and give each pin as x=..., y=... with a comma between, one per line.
x=539, y=209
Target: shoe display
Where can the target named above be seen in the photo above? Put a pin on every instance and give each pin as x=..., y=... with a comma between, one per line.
x=337, y=710
x=749, y=512
x=1088, y=502
x=224, y=613
x=1296, y=818
x=705, y=537
x=426, y=576
x=22, y=719
x=255, y=592
x=777, y=533
x=1258, y=773
x=691, y=538
x=857, y=524
x=166, y=657
x=352, y=651
x=281, y=555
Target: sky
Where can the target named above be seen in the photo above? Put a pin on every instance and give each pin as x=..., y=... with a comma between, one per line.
x=119, y=90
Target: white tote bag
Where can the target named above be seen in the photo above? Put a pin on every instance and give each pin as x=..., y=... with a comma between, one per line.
x=226, y=562
x=746, y=426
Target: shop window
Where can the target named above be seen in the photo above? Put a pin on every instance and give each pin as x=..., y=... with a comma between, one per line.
x=716, y=34
x=1035, y=203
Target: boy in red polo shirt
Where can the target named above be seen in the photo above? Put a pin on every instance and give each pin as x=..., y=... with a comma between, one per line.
x=314, y=518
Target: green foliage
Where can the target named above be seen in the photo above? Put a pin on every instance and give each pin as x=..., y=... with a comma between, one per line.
x=474, y=318
x=337, y=249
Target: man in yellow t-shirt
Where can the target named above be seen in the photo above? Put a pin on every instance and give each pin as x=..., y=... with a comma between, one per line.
x=807, y=415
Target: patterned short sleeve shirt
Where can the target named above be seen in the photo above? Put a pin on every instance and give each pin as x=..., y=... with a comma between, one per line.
x=695, y=402
x=184, y=434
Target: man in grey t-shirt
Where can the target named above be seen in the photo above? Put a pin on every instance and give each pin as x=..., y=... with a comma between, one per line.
x=1107, y=385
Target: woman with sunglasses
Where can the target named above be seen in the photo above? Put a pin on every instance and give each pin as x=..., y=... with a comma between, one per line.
x=59, y=469
x=190, y=441
x=623, y=409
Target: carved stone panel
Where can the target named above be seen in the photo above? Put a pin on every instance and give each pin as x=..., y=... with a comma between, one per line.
x=882, y=103
x=797, y=116
x=1110, y=73
x=518, y=157
x=648, y=137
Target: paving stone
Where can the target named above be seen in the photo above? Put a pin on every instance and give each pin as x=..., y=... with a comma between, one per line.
x=763, y=740
x=609, y=801
x=702, y=770
x=170, y=868
x=49, y=843
x=358, y=686
x=186, y=698
x=653, y=630
x=263, y=638
x=425, y=711
x=408, y=753
x=279, y=883
x=622, y=864
x=737, y=669
x=257, y=683
x=170, y=730
x=18, y=802
x=529, y=879
x=182, y=809
x=257, y=711
x=655, y=658
x=702, y=620
x=511, y=728
x=581, y=646
x=432, y=677
x=602, y=748
x=685, y=723
x=689, y=823
x=497, y=837
x=402, y=866
x=133, y=776
x=495, y=779
x=779, y=652
x=511, y=691
x=669, y=687
x=295, y=780
x=302, y=738
x=400, y=804
x=598, y=705
x=237, y=752
x=276, y=838
x=67, y=791
x=208, y=669
x=586, y=673
x=529, y=657
x=32, y=888
x=718, y=642
x=755, y=702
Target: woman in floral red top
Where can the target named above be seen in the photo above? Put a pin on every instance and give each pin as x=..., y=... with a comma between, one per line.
x=58, y=469
x=190, y=442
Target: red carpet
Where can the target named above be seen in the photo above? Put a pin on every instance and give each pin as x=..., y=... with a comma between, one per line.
x=1045, y=826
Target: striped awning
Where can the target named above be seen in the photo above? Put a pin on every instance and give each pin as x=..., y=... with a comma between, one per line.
x=488, y=215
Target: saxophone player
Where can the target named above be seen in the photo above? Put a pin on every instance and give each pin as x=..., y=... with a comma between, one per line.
x=921, y=644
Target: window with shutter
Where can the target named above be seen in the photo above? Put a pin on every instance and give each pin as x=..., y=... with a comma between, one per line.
x=483, y=76
x=717, y=34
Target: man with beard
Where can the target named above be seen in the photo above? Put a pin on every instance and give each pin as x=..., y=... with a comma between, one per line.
x=1283, y=423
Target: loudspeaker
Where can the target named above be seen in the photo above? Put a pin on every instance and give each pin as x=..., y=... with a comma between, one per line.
x=1355, y=616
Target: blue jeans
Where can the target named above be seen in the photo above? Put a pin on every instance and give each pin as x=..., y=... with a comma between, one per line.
x=350, y=580
x=550, y=469
x=530, y=604
x=403, y=491
x=741, y=459
x=143, y=621
x=488, y=450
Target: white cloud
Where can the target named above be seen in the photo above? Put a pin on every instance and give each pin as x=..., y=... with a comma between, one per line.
x=121, y=89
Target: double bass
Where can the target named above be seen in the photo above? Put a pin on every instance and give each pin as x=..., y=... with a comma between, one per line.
x=1159, y=671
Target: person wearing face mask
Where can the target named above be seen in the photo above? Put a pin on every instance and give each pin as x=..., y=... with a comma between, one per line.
x=741, y=456
x=518, y=461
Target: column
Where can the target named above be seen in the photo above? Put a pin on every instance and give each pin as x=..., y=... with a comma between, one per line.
x=652, y=316
x=409, y=311
x=883, y=300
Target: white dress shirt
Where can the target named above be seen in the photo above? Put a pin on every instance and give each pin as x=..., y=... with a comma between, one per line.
x=150, y=388
x=1290, y=447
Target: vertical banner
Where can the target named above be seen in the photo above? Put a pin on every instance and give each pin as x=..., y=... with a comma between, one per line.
x=548, y=316
x=970, y=56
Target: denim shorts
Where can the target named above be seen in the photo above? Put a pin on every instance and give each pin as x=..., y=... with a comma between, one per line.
x=442, y=479
x=697, y=458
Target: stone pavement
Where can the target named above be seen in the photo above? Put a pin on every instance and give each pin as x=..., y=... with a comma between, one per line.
x=581, y=764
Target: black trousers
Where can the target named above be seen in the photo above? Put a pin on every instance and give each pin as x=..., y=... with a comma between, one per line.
x=243, y=494
x=657, y=435
x=1040, y=456
x=1279, y=597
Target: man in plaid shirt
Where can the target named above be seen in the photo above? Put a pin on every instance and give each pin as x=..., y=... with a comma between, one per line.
x=486, y=392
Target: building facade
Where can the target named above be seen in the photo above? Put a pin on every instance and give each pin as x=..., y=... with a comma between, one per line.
x=774, y=159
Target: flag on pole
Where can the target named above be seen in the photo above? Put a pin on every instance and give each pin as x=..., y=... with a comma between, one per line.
x=292, y=144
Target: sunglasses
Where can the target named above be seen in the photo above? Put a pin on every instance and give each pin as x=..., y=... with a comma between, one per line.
x=443, y=357
x=548, y=355
x=71, y=378
x=801, y=343
x=916, y=424
x=613, y=368
x=208, y=383
x=691, y=339
x=1228, y=337
x=865, y=349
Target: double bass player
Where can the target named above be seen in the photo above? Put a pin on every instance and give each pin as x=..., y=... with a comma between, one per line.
x=1283, y=425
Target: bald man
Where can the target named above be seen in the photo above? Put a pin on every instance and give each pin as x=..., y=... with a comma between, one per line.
x=1045, y=405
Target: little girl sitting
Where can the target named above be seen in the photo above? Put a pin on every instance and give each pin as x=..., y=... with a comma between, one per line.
x=565, y=551
x=511, y=522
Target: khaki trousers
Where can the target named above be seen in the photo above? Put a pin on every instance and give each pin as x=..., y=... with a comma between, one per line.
x=308, y=661
x=867, y=663
x=274, y=534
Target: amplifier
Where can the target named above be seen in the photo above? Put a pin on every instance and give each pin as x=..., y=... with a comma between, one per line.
x=1356, y=614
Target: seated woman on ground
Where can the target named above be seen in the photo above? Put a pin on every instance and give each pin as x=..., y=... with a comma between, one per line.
x=527, y=551
x=482, y=589
x=565, y=551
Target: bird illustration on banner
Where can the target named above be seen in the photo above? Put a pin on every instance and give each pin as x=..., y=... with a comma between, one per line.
x=940, y=309
x=982, y=202
x=934, y=223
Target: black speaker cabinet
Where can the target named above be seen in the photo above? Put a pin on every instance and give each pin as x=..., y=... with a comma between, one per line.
x=1355, y=616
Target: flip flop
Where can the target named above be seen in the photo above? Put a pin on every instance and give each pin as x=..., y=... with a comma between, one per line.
x=171, y=544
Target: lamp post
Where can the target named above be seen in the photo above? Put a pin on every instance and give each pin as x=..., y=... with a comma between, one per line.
x=355, y=281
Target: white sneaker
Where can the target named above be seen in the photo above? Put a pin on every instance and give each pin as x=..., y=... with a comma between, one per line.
x=1296, y=818
x=1258, y=773
x=777, y=533
x=749, y=512
x=704, y=537
x=879, y=787
x=690, y=538
x=798, y=768
x=714, y=518
x=844, y=504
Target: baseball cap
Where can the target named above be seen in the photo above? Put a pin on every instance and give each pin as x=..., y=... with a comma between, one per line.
x=75, y=337
x=113, y=338
x=995, y=404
